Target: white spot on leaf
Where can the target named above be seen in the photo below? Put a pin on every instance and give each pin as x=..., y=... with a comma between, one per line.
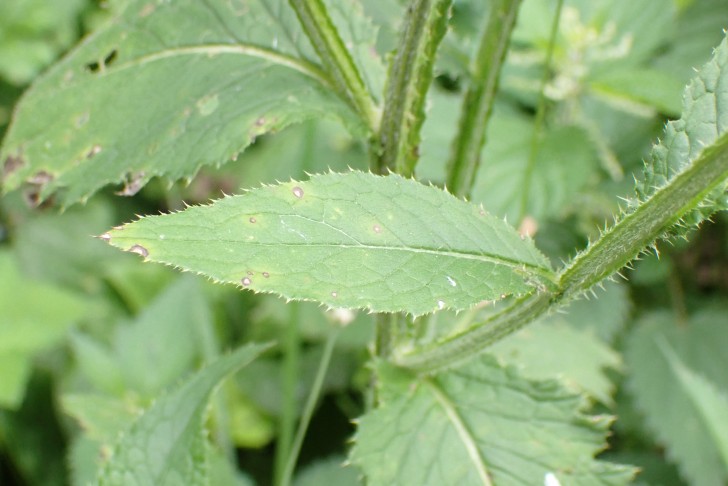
x=246, y=282
x=298, y=192
x=451, y=281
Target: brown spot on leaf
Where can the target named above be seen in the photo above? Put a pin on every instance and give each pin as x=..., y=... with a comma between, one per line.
x=12, y=164
x=132, y=185
x=96, y=149
x=40, y=178
x=139, y=250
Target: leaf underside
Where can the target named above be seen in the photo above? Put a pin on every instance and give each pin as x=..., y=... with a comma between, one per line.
x=351, y=240
x=161, y=91
x=481, y=424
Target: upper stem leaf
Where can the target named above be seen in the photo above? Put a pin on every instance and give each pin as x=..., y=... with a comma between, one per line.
x=347, y=240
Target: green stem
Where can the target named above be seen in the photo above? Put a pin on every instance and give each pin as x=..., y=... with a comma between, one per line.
x=325, y=39
x=540, y=114
x=617, y=247
x=289, y=383
x=409, y=78
x=639, y=229
x=479, y=98
x=309, y=408
x=470, y=342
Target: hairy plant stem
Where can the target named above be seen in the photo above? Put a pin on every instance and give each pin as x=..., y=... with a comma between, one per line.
x=337, y=62
x=289, y=383
x=619, y=245
x=540, y=115
x=478, y=101
x=309, y=407
x=409, y=78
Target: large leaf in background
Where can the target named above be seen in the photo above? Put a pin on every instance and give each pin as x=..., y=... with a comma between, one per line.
x=141, y=359
x=166, y=445
x=704, y=120
x=565, y=160
x=481, y=424
x=162, y=90
x=669, y=409
x=33, y=317
x=700, y=23
x=33, y=33
x=347, y=240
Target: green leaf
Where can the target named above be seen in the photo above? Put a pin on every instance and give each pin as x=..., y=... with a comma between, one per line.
x=553, y=347
x=33, y=317
x=15, y=368
x=143, y=351
x=670, y=412
x=162, y=90
x=640, y=86
x=33, y=33
x=100, y=416
x=703, y=122
x=711, y=403
x=166, y=445
x=565, y=160
x=481, y=424
x=347, y=240
x=332, y=470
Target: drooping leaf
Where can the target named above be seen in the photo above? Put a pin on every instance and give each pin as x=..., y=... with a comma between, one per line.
x=166, y=445
x=162, y=90
x=711, y=403
x=481, y=424
x=347, y=240
x=704, y=120
x=33, y=316
x=670, y=412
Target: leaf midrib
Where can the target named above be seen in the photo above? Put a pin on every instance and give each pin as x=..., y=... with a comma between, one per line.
x=310, y=69
x=482, y=257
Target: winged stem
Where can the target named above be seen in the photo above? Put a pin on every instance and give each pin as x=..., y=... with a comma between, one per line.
x=337, y=61
x=409, y=78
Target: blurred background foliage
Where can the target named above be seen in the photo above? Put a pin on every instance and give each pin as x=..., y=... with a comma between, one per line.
x=89, y=336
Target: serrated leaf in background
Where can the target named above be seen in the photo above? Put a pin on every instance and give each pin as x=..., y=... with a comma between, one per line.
x=481, y=424
x=166, y=445
x=670, y=413
x=554, y=349
x=161, y=91
x=34, y=316
x=347, y=240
